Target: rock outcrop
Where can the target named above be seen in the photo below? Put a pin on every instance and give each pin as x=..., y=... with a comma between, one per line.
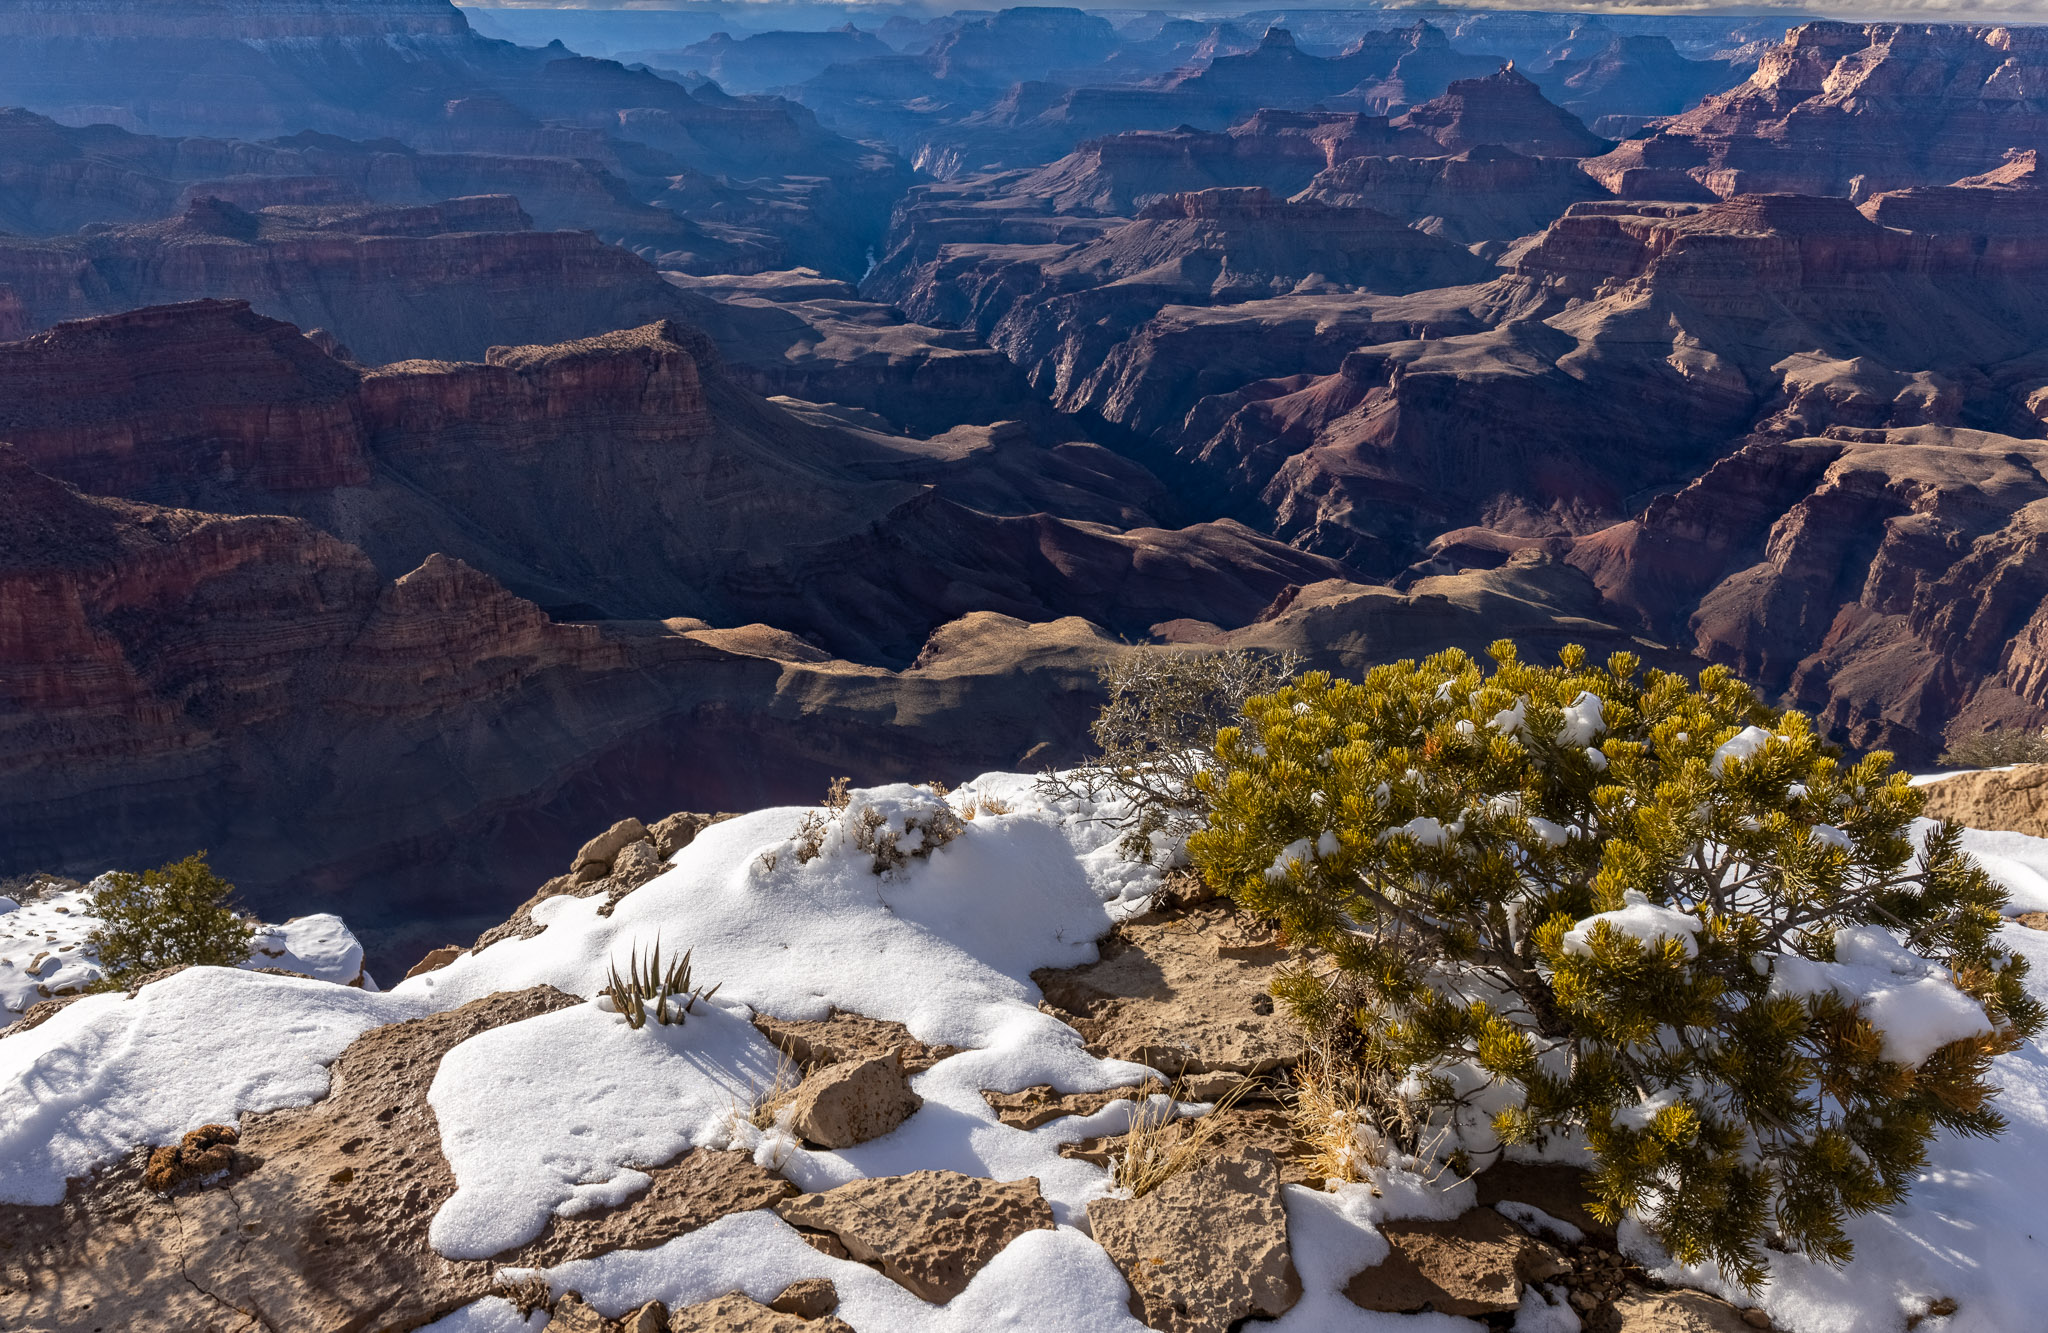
x=2015, y=799
x=1504, y=109
x=445, y=281
x=1474, y=1265
x=1206, y=1249
x=1178, y=995
x=325, y=1210
x=930, y=1231
x=849, y=1103
x=1848, y=109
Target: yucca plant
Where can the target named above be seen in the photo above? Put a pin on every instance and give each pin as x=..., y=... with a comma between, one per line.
x=648, y=988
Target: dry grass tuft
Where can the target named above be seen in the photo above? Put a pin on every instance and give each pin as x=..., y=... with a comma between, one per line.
x=527, y=1293
x=1328, y=1111
x=767, y=1102
x=1152, y=1155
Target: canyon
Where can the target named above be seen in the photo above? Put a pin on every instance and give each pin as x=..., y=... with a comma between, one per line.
x=395, y=479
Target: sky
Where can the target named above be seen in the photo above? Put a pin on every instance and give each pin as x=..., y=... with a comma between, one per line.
x=1940, y=11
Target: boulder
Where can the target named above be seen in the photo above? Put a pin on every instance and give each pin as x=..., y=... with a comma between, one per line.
x=1474, y=1265
x=844, y=1036
x=594, y=861
x=930, y=1231
x=1186, y=995
x=1205, y=1249
x=852, y=1102
x=435, y=960
x=810, y=1298
x=1680, y=1312
x=572, y=1315
x=739, y=1313
x=679, y=830
x=649, y=1318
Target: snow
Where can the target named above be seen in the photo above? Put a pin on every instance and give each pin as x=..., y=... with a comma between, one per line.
x=1739, y=748
x=109, y=1072
x=1293, y=854
x=1545, y=1310
x=1641, y=918
x=563, y=1110
x=44, y=952
x=321, y=946
x=1534, y=1220
x=1333, y=1237
x=624, y=1096
x=492, y=1314
x=2017, y=861
x=1827, y=835
x=1425, y=830
x=1056, y=1281
x=1582, y=721
x=1912, y=1002
x=945, y=945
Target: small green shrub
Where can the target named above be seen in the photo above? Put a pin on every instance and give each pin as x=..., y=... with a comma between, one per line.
x=175, y=915
x=1579, y=901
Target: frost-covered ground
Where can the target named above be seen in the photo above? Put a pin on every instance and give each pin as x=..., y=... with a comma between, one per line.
x=550, y=1115
x=44, y=952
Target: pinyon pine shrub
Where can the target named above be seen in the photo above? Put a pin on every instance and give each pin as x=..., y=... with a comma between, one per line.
x=1580, y=902
x=177, y=914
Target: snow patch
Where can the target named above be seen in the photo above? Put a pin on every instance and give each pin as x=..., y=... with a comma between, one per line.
x=1641, y=918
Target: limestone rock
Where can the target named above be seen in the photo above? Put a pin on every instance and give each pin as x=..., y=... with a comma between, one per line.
x=634, y=866
x=1678, y=1312
x=810, y=1298
x=1207, y=1248
x=2014, y=799
x=931, y=1231
x=696, y=1189
x=739, y=1313
x=435, y=960
x=847, y=1036
x=852, y=1102
x=571, y=1315
x=1163, y=995
x=597, y=854
x=649, y=1318
x=1474, y=1265
x=1040, y=1105
x=679, y=830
